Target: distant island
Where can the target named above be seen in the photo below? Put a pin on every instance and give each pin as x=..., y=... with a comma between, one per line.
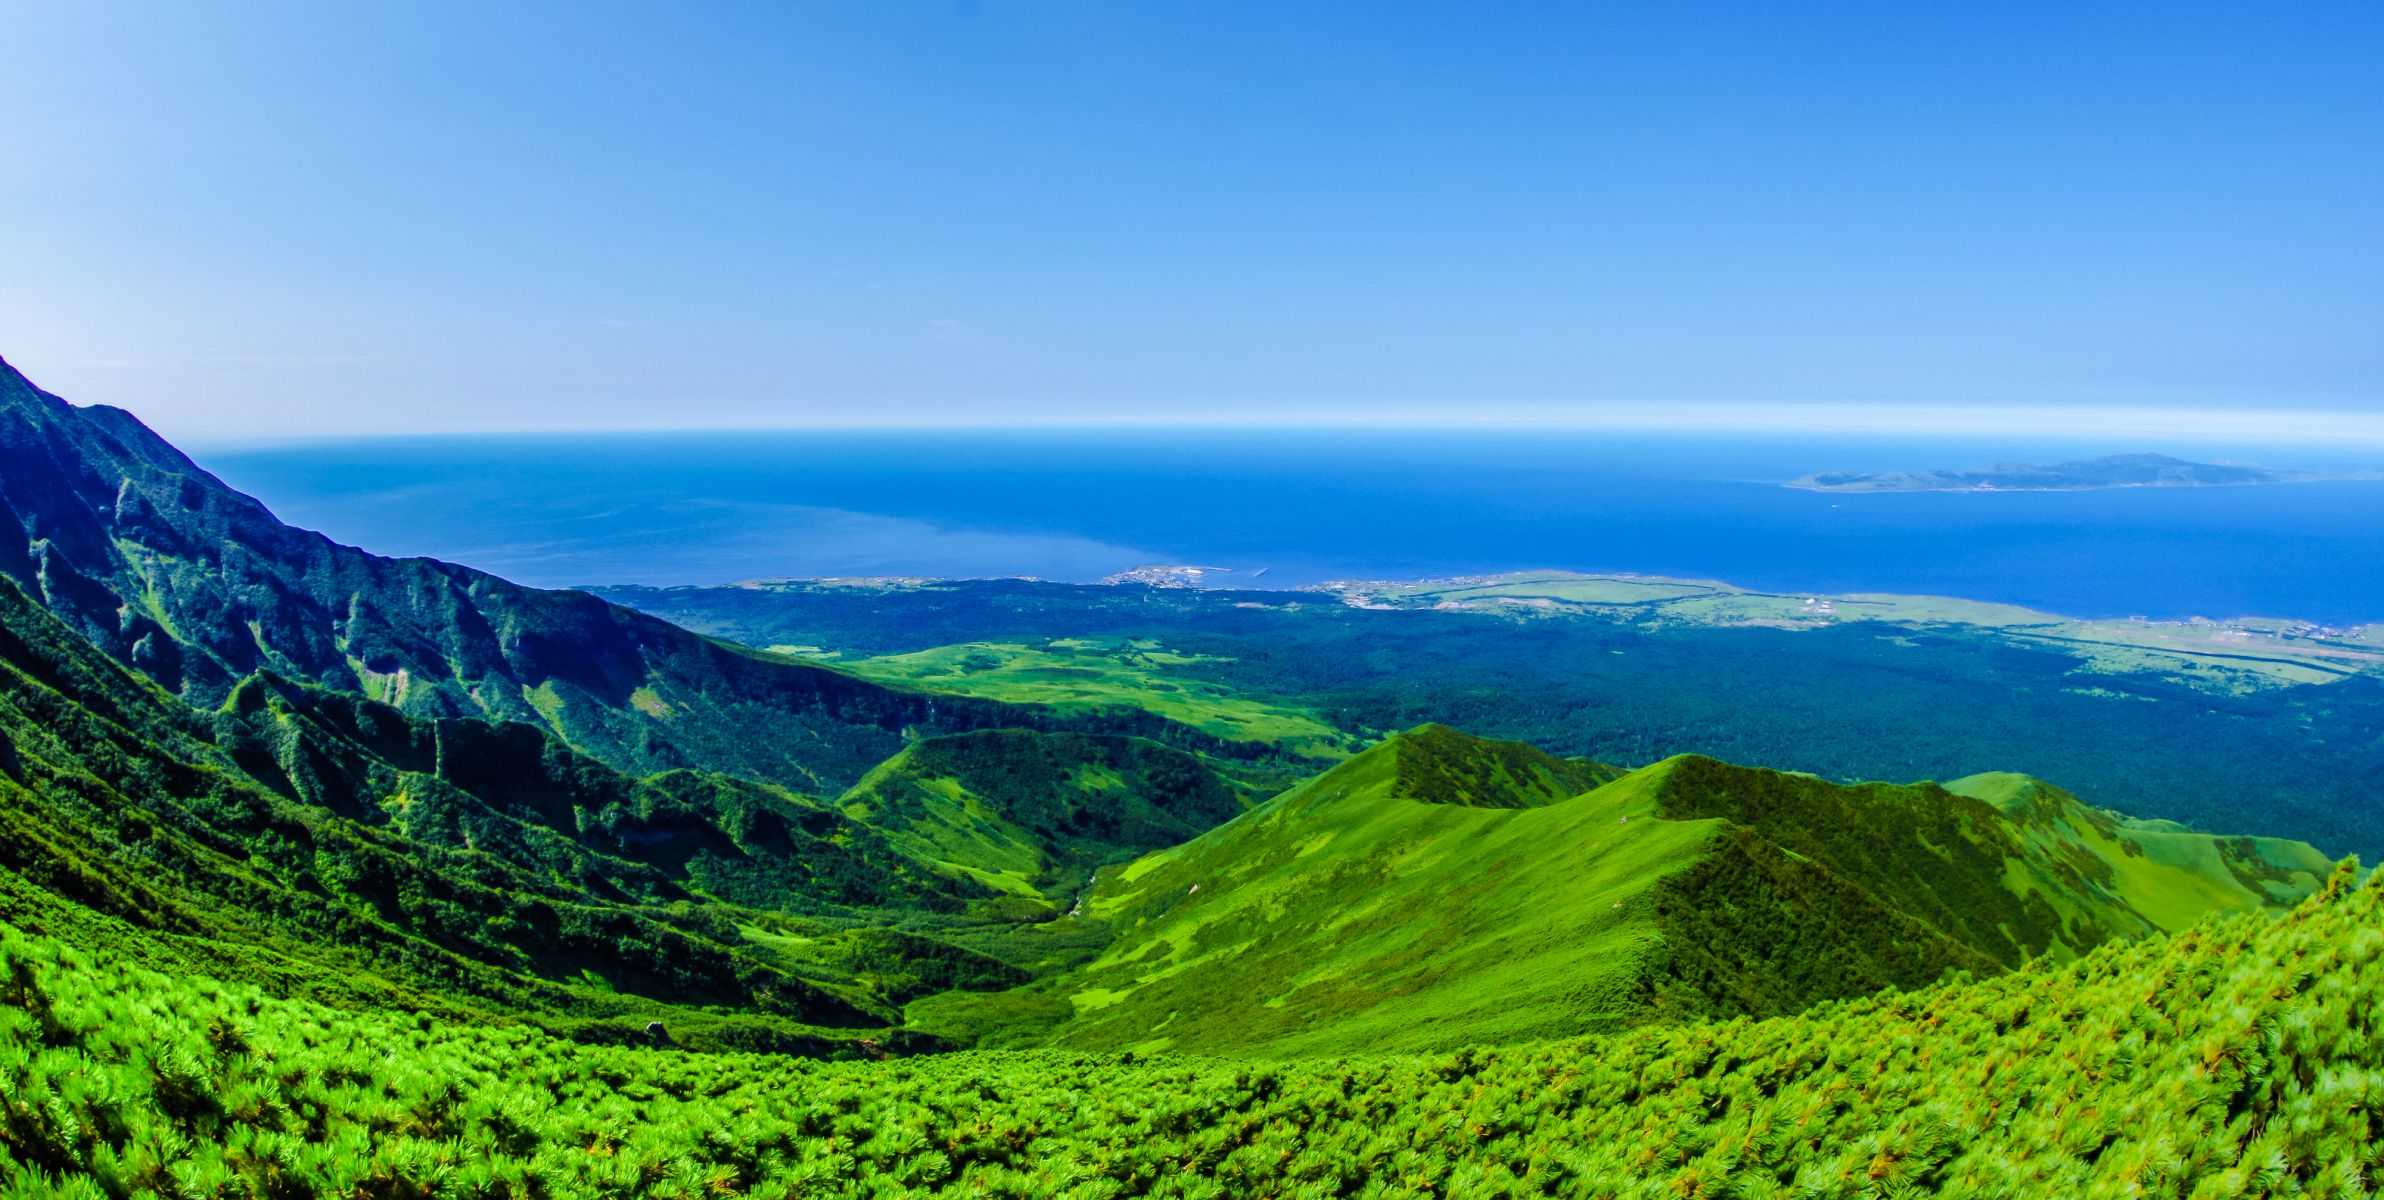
x=2115, y=471
x=1163, y=575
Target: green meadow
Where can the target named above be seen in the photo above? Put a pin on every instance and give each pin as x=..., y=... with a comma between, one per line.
x=1095, y=675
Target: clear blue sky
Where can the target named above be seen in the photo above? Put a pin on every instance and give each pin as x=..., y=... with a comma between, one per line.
x=241, y=219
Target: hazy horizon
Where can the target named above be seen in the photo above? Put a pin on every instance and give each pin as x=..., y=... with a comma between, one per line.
x=569, y=510
x=2144, y=429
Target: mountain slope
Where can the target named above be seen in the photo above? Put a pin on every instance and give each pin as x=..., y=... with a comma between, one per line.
x=171, y=572
x=2166, y=875
x=1030, y=814
x=331, y=846
x=2019, y=879
x=1355, y=911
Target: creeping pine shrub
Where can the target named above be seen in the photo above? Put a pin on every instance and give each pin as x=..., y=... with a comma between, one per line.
x=2242, y=1058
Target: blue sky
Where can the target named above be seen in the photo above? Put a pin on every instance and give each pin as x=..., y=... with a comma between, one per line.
x=244, y=219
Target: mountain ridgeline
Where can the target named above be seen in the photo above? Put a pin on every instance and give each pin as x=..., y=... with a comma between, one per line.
x=331, y=846
x=199, y=587
x=1440, y=890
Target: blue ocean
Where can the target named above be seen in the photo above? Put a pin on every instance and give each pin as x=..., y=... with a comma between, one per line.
x=1284, y=509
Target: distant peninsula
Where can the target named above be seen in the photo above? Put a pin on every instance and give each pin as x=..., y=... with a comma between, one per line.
x=2115, y=471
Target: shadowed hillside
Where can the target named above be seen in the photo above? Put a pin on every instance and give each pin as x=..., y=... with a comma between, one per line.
x=1030, y=814
x=332, y=846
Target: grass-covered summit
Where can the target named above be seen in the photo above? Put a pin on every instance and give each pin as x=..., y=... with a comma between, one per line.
x=1441, y=889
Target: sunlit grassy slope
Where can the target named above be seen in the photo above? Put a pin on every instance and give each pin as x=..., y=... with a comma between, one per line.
x=2171, y=876
x=1351, y=913
x=1442, y=889
x=1101, y=675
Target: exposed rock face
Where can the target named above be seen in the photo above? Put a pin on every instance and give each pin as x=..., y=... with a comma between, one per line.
x=172, y=572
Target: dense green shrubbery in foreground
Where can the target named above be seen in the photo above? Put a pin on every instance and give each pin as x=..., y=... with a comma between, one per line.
x=2241, y=1058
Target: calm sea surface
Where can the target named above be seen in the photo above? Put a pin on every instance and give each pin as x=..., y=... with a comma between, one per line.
x=1285, y=509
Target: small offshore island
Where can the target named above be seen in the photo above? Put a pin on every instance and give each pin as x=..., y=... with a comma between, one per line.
x=2113, y=471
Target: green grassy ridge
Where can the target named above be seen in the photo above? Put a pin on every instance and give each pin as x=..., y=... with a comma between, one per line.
x=1352, y=912
x=1435, y=764
x=1033, y=813
x=2051, y=877
x=1442, y=889
x=2241, y=1058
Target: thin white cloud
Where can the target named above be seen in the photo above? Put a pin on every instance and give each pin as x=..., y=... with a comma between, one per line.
x=2181, y=423
x=2032, y=420
x=295, y=362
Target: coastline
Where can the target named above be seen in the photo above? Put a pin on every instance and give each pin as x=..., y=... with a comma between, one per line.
x=2233, y=654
